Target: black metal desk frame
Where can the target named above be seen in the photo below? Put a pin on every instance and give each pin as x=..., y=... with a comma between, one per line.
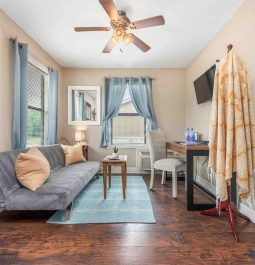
x=191, y=206
x=190, y=152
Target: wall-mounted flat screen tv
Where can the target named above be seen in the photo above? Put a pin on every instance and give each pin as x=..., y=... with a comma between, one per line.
x=204, y=85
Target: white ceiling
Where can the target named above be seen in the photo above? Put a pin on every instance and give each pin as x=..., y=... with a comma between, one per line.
x=190, y=25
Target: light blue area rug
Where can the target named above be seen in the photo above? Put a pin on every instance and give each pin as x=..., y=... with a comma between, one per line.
x=90, y=206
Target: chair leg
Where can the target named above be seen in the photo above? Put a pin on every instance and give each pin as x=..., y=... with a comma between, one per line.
x=163, y=181
x=174, y=184
x=152, y=178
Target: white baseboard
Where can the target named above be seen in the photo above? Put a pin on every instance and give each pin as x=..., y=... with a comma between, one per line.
x=242, y=207
x=247, y=211
x=207, y=184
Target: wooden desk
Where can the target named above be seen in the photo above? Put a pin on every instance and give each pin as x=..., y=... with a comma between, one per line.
x=191, y=151
x=107, y=164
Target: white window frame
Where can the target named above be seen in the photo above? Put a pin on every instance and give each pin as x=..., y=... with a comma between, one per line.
x=128, y=145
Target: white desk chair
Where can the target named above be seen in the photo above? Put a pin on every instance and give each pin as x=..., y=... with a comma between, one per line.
x=157, y=146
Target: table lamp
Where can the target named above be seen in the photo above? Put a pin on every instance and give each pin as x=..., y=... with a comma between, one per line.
x=79, y=136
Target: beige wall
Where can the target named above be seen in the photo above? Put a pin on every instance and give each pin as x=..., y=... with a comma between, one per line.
x=168, y=89
x=240, y=31
x=8, y=29
x=171, y=87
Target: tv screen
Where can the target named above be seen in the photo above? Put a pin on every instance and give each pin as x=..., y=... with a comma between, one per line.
x=204, y=85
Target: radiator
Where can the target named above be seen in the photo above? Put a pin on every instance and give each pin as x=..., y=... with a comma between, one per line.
x=143, y=159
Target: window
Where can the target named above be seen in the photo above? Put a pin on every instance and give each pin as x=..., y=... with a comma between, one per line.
x=36, y=115
x=128, y=127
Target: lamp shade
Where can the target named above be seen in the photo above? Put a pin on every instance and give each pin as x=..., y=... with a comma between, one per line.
x=79, y=136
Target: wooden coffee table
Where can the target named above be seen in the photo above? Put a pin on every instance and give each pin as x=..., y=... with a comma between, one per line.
x=107, y=171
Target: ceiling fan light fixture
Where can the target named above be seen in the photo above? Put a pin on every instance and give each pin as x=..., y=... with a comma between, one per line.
x=126, y=39
x=119, y=32
x=131, y=26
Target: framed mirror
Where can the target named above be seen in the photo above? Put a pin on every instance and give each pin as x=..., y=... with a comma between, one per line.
x=84, y=105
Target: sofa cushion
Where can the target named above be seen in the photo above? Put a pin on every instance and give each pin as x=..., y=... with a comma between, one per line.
x=73, y=154
x=32, y=169
x=8, y=179
x=58, y=191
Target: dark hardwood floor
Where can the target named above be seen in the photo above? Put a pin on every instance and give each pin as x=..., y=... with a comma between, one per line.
x=178, y=237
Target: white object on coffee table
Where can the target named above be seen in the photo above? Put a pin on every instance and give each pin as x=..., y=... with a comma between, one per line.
x=115, y=155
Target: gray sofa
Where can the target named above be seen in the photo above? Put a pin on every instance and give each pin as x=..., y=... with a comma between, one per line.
x=59, y=190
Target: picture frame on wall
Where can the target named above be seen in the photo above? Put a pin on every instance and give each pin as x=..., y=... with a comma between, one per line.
x=84, y=105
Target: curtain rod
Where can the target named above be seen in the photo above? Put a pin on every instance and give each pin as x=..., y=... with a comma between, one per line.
x=13, y=39
x=229, y=47
x=31, y=63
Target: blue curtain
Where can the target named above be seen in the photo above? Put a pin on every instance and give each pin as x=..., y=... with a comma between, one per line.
x=52, y=106
x=141, y=96
x=20, y=95
x=114, y=94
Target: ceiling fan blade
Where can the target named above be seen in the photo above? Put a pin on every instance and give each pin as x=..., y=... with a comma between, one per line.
x=80, y=29
x=149, y=22
x=109, y=45
x=138, y=42
x=110, y=8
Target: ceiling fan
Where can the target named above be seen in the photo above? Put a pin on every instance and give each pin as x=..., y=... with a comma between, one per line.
x=120, y=23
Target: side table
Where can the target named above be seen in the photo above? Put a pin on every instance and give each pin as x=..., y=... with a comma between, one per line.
x=107, y=165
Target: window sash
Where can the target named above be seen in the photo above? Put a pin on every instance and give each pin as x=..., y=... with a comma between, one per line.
x=42, y=109
x=129, y=115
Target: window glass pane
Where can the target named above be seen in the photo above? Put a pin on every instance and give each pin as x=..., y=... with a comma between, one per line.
x=35, y=87
x=35, y=126
x=127, y=105
x=128, y=130
x=34, y=129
